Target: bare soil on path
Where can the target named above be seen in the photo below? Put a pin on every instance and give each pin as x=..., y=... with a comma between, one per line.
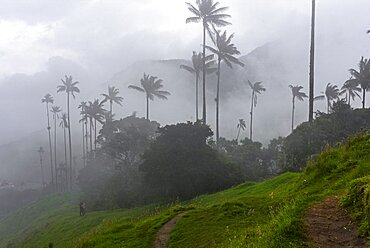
x=163, y=235
x=329, y=225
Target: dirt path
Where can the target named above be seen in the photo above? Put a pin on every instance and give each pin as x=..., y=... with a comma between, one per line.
x=163, y=235
x=329, y=225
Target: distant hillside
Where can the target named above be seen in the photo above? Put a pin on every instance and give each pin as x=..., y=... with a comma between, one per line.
x=269, y=63
x=267, y=214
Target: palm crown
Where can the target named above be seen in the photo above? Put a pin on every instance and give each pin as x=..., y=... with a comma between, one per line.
x=225, y=50
x=47, y=99
x=55, y=110
x=362, y=77
x=151, y=86
x=351, y=87
x=64, y=122
x=208, y=12
x=68, y=86
x=296, y=92
x=331, y=93
x=258, y=88
x=197, y=65
x=241, y=124
x=112, y=96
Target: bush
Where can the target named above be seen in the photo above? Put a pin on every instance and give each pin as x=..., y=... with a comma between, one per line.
x=358, y=199
x=180, y=164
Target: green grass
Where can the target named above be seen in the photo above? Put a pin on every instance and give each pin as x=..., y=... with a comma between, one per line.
x=266, y=214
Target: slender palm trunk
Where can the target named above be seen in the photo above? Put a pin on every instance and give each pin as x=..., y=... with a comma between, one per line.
x=312, y=64
x=95, y=135
x=86, y=139
x=70, y=145
x=91, y=126
x=50, y=146
x=196, y=95
x=328, y=105
x=363, y=97
x=55, y=151
x=204, y=75
x=349, y=98
x=83, y=143
x=42, y=171
x=218, y=101
x=65, y=156
x=237, y=136
x=293, y=108
x=147, y=107
x=111, y=107
x=251, y=113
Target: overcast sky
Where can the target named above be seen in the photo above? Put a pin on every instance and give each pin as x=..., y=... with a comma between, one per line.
x=105, y=36
x=110, y=34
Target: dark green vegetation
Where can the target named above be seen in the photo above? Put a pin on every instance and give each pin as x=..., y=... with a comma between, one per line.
x=326, y=130
x=266, y=214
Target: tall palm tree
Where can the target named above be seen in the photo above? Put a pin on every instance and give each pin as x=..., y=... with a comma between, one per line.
x=83, y=120
x=151, y=87
x=362, y=77
x=257, y=88
x=225, y=51
x=207, y=12
x=296, y=93
x=55, y=110
x=241, y=126
x=312, y=63
x=112, y=97
x=48, y=99
x=70, y=88
x=64, y=124
x=196, y=69
x=351, y=88
x=331, y=93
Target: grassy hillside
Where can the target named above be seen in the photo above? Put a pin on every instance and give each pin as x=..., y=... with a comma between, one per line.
x=266, y=214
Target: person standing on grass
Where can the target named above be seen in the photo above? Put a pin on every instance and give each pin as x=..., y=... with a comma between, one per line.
x=82, y=209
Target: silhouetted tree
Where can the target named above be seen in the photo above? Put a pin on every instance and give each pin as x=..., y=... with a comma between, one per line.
x=151, y=87
x=196, y=69
x=55, y=110
x=241, y=126
x=208, y=13
x=225, y=52
x=296, y=93
x=49, y=99
x=257, y=88
x=331, y=93
x=362, y=77
x=70, y=88
x=112, y=97
x=351, y=88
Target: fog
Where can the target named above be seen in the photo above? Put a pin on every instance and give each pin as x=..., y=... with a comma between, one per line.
x=103, y=43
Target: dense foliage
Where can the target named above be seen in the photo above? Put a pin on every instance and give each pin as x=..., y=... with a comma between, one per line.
x=326, y=130
x=181, y=164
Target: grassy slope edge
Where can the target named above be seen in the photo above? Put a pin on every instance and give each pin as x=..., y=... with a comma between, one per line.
x=266, y=214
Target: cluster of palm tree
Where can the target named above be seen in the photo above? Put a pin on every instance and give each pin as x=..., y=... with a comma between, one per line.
x=211, y=16
x=351, y=88
x=70, y=88
x=92, y=112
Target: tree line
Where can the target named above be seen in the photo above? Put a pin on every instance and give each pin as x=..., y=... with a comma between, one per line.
x=212, y=17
